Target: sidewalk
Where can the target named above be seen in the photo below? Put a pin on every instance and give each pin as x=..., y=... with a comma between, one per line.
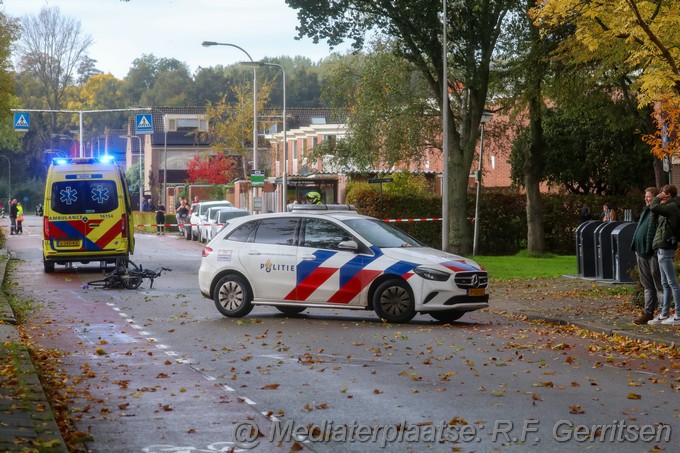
x=27, y=423
x=584, y=303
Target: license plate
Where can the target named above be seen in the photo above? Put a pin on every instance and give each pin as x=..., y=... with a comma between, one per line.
x=69, y=243
x=476, y=291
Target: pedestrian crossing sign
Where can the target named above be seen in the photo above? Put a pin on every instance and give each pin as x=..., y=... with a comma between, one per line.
x=22, y=121
x=144, y=124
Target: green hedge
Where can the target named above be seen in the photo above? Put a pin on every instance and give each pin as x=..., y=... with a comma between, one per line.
x=503, y=224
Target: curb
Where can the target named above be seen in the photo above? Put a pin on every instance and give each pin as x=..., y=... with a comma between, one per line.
x=598, y=329
x=6, y=313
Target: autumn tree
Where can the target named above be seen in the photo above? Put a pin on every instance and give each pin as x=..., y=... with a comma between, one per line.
x=231, y=124
x=474, y=28
x=214, y=169
x=637, y=39
x=51, y=49
x=391, y=120
x=101, y=92
x=9, y=140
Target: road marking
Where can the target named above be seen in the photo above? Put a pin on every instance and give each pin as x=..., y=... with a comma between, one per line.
x=188, y=362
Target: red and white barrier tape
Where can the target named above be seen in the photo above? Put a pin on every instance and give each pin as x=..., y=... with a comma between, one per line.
x=435, y=219
x=175, y=225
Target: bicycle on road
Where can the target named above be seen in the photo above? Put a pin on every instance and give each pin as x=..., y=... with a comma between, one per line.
x=129, y=275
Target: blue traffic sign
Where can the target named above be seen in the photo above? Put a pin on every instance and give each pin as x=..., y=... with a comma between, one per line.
x=144, y=124
x=22, y=121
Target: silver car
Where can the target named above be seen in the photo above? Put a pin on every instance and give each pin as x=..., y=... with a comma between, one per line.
x=218, y=218
x=197, y=216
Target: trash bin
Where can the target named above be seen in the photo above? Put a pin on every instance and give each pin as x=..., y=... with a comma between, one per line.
x=603, y=250
x=623, y=258
x=585, y=248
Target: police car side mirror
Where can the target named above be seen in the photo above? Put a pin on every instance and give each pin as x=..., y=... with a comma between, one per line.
x=348, y=245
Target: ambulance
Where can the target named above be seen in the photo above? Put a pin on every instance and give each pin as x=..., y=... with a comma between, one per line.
x=87, y=213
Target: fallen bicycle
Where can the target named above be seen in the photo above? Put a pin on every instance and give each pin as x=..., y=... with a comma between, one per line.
x=128, y=275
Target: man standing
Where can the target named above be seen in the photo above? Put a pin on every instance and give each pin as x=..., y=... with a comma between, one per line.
x=665, y=206
x=647, y=262
x=13, y=211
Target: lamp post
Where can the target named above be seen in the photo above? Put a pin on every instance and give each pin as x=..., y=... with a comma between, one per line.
x=141, y=163
x=67, y=137
x=165, y=159
x=9, y=178
x=213, y=43
x=445, y=135
x=485, y=118
x=284, y=178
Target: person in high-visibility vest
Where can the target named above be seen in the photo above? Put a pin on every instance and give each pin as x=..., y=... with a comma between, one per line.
x=314, y=197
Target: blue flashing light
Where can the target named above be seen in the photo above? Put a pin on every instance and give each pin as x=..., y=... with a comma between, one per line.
x=106, y=159
x=60, y=161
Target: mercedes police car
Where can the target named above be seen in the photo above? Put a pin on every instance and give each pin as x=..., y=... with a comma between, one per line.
x=328, y=256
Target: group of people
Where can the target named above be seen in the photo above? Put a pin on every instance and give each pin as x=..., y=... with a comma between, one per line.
x=608, y=214
x=16, y=217
x=654, y=243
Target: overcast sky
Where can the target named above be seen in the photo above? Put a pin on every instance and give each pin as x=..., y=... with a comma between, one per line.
x=124, y=31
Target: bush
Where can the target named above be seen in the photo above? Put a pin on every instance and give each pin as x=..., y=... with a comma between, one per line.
x=502, y=216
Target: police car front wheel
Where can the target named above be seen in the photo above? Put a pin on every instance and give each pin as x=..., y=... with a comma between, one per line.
x=393, y=302
x=232, y=297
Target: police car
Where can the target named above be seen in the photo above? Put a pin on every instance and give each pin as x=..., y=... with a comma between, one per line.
x=328, y=256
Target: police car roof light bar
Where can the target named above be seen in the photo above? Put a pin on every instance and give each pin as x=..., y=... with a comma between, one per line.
x=294, y=207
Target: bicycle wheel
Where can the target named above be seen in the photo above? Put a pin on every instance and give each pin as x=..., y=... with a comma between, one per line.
x=131, y=280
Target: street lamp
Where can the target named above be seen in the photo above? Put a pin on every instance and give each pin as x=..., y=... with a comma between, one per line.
x=486, y=117
x=255, y=64
x=141, y=163
x=213, y=43
x=67, y=137
x=445, y=136
x=9, y=178
x=165, y=159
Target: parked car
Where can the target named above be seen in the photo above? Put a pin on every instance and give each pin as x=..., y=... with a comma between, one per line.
x=328, y=256
x=218, y=218
x=197, y=216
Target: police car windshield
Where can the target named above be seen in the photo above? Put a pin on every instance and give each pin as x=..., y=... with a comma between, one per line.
x=381, y=234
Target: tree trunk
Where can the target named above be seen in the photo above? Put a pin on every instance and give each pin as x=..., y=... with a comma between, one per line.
x=535, y=153
x=459, y=226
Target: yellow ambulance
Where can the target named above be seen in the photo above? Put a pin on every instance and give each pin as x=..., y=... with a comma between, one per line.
x=87, y=213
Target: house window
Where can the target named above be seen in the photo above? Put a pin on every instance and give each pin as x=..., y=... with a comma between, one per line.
x=187, y=124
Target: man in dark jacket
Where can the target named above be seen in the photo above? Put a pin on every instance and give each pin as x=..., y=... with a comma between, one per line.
x=665, y=206
x=13, y=212
x=647, y=262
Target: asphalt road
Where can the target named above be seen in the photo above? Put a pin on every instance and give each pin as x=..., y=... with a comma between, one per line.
x=161, y=370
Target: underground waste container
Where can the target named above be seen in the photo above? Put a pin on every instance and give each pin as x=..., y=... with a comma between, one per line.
x=585, y=248
x=623, y=258
x=603, y=250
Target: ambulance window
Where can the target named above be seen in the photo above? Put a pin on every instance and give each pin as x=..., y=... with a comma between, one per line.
x=276, y=231
x=322, y=234
x=84, y=197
